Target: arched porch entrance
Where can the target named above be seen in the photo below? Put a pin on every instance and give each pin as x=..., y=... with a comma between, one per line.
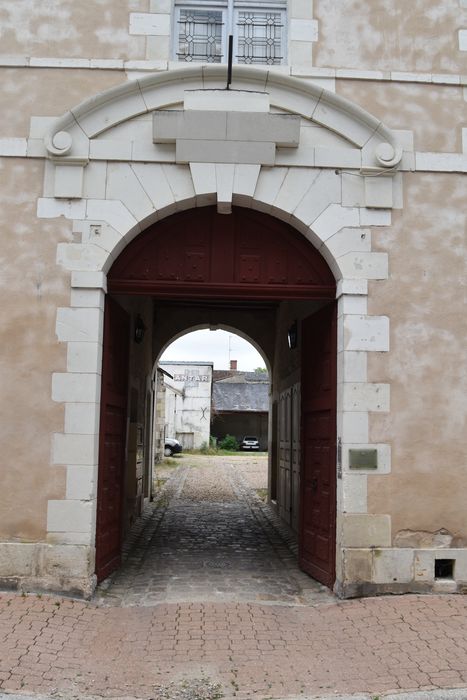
x=224, y=266
x=118, y=162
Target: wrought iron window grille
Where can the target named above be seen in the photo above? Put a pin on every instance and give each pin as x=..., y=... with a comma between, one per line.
x=259, y=30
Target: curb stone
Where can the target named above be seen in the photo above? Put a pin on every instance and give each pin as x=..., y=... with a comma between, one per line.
x=452, y=694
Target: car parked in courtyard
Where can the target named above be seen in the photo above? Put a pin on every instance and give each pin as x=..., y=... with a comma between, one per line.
x=249, y=442
x=172, y=447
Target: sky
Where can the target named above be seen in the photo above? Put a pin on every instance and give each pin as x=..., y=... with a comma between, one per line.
x=214, y=346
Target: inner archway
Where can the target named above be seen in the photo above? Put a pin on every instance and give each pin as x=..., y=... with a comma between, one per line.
x=259, y=275
x=215, y=392
x=229, y=344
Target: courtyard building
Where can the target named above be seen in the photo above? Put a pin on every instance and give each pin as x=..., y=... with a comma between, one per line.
x=188, y=392
x=240, y=405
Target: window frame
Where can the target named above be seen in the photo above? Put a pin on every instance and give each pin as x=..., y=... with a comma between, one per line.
x=239, y=6
x=214, y=6
x=229, y=9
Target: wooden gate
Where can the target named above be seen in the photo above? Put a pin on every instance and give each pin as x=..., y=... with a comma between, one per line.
x=317, y=544
x=110, y=490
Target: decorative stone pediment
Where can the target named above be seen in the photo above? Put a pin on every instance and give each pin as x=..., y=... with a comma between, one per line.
x=219, y=126
x=69, y=139
x=188, y=117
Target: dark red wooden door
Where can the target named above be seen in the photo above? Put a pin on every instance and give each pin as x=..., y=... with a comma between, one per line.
x=112, y=439
x=318, y=463
x=200, y=253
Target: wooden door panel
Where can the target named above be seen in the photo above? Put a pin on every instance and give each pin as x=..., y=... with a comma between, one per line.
x=295, y=432
x=285, y=453
x=318, y=463
x=112, y=439
x=246, y=253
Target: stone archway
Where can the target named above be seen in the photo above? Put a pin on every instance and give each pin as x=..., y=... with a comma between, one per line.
x=113, y=184
x=245, y=257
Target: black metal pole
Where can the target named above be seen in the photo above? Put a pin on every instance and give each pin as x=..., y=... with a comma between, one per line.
x=229, y=65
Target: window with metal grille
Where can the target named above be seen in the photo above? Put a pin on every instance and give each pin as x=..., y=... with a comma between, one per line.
x=200, y=35
x=259, y=37
x=258, y=28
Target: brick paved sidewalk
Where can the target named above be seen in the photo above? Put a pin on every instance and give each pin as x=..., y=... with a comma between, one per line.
x=256, y=651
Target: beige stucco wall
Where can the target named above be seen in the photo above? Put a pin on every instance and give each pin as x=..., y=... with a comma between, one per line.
x=90, y=28
x=46, y=93
x=425, y=296
x=32, y=288
x=434, y=113
x=390, y=35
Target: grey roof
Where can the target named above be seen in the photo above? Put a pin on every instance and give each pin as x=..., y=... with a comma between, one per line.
x=240, y=377
x=187, y=362
x=227, y=396
x=257, y=377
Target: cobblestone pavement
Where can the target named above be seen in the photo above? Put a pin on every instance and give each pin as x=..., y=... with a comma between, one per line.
x=210, y=537
x=265, y=636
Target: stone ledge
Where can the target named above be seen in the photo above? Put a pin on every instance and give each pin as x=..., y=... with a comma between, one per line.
x=381, y=570
x=40, y=567
x=309, y=71
x=367, y=589
x=15, y=147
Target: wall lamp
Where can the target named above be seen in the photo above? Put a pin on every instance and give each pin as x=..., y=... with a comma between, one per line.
x=292, y=336
x=140, y=330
